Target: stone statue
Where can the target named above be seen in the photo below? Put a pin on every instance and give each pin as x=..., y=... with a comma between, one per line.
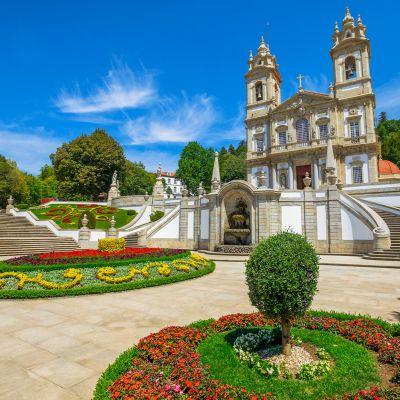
x=114, y=178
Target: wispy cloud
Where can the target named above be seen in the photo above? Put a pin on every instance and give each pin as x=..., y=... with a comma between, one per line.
x=318, y=83
x=120, y=89
x=176, y=121
x=30, y=147
x=388, y=97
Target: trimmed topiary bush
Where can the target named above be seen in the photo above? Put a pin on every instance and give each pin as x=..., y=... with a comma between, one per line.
x=282, y=276
x=156, y=215
x=111, y=245
x=22, y=206
x=91, y=220
x=131, y=212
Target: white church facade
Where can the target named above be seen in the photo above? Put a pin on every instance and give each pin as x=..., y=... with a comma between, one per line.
x=288, y=139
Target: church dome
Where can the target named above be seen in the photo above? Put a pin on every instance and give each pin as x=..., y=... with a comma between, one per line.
x=387, y=167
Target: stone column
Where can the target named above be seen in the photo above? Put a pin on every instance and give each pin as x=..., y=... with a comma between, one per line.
x=290, y=175
x=274, y=182
x=315, y=174
x=334, y=221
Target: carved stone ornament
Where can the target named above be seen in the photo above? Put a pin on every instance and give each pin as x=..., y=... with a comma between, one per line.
x=353, y=111
x=259, y=129
x=301, y=111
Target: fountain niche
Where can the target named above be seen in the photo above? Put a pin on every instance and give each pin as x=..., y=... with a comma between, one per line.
x=238, y=231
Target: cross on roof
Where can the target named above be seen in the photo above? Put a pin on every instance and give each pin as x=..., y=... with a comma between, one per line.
x=300, y=77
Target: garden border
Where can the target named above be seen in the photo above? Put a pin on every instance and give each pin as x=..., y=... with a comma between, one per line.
x=124, y=361
x=118, y=287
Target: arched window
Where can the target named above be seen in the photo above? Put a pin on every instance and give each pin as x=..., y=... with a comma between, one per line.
x=259, y=91
x=350, y=67
x=302, y=131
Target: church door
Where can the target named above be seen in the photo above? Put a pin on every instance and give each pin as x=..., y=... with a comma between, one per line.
x=300, y=174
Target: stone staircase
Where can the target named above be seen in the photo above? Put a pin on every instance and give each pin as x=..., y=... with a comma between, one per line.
x=19, y=237
x=393, y=223
x=132, y=240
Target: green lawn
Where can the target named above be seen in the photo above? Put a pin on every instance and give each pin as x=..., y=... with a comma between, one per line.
x=67, y=215
x=355, y=367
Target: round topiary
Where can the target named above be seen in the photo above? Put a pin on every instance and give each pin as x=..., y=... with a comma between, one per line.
x=282, y=276
x=91, y=220
x=156, y=215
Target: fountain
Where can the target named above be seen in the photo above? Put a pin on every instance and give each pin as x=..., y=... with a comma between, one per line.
x=238, y=232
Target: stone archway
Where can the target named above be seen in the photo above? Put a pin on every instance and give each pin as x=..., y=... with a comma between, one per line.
x=237, y=216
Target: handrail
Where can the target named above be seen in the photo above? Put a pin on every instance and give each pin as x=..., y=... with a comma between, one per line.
x=379, y=227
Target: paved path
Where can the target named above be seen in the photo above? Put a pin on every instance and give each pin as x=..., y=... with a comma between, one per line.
x=56, y=349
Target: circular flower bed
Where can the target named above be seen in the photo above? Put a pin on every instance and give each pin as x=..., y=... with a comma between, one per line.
x=169, y=364
x=107, y=274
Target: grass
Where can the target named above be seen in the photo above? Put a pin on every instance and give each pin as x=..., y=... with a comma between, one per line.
x=90, y=284
x=355, y=367
x=61, y=213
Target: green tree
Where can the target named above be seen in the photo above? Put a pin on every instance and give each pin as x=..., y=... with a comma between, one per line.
x=49, y=183
x=195, y=166
x=389, y=133
x=232, y=163
x=84, y=166
x=12, y=182
x=282, y=276
x=137, y=180
x=382, y=117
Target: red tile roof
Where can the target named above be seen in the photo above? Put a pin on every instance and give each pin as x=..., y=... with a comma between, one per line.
x=387, y=167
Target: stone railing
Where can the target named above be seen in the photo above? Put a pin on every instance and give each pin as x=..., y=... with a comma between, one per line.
x=378, y=226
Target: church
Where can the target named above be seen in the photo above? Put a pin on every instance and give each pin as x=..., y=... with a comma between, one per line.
x=287, y=140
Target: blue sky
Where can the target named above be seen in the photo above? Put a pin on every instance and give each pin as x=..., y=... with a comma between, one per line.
x=156, y=74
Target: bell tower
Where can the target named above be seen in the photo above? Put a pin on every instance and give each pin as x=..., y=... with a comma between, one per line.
x=351, y=58
x=263, y=79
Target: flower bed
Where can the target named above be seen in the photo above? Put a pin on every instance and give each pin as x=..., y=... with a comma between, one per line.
x=29, y=281
x=167, y=364
x=90, y=256
x=67, y=215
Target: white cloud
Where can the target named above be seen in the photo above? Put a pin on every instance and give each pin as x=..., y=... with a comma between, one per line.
x=30, y=148
x=175, y=122
x=121, y=89
x=315, y=84
x=388, y=97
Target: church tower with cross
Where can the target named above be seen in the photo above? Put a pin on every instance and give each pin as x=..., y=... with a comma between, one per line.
x=287, y=140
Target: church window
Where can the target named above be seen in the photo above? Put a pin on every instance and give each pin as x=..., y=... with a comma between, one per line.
x=259, y=91
x=282, y=137
x=348, y=34
x=357, y=174
x=350, y=67
x=260, y=145
x=323, y=131
x=354, y=129
x=302, y=131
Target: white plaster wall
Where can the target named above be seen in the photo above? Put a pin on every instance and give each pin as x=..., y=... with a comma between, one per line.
x=205, y=224
x=170, y=230
x=291, y=218
x=321, y=222
x=353, y=228
x=356, y=157
x=387, y=200
x=190, y=234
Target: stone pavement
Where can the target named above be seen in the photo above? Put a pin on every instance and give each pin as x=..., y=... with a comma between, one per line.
x=56, y=349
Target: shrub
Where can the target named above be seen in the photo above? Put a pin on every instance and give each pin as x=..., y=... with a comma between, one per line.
x=22, y=206
x=282, y=276
x=111, y=245
x=131, y=212
x=156, y=215
x=91, y=220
